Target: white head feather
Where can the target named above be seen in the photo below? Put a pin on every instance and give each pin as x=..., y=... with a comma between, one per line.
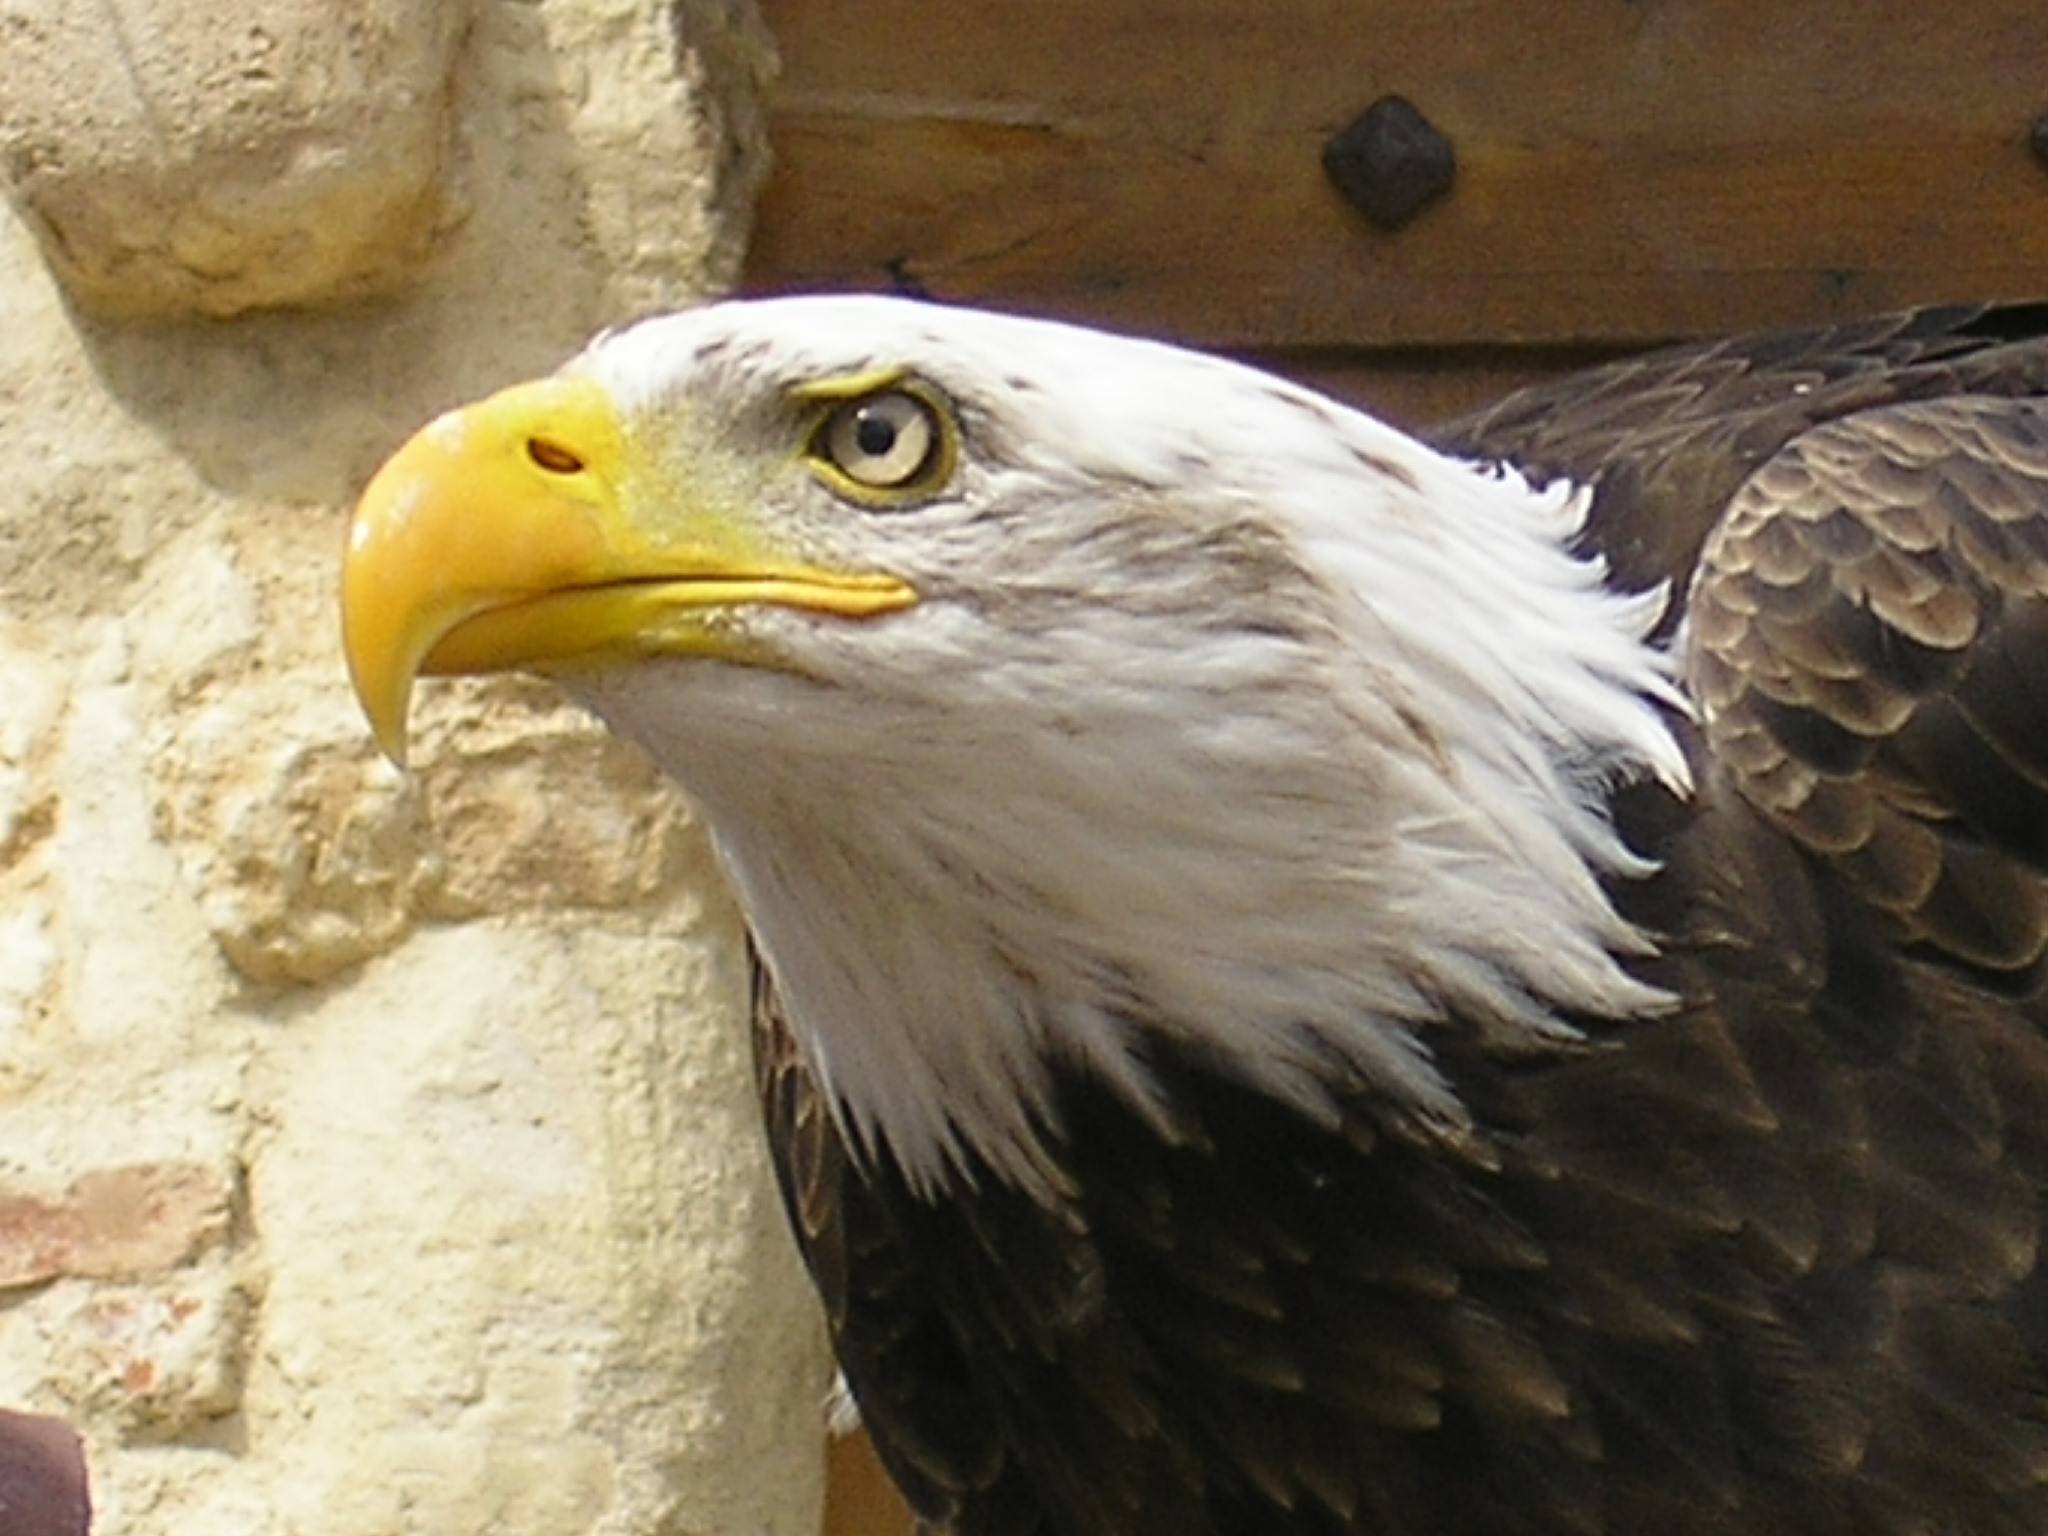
x=1226, y=711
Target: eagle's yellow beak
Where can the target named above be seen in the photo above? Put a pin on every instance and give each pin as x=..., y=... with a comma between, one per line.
x=526, y=531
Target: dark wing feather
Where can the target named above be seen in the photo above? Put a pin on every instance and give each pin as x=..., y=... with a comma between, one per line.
x=882, y=1309
x=1868, y=624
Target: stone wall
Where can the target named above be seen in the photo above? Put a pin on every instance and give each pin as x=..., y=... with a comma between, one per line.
x=376, y=1152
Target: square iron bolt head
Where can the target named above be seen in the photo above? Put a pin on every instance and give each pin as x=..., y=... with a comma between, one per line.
x=1390, y=163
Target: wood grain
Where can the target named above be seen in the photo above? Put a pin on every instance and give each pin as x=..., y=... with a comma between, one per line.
x=859, y=1498
x=1627, y=172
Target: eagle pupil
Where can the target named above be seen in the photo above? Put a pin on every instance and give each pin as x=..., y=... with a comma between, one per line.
x=874, y=435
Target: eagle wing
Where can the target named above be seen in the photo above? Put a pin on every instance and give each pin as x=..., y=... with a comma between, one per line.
x=1868, y=643
x=1855, y=525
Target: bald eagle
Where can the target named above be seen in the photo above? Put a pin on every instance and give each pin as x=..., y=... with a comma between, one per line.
x=1310, y=981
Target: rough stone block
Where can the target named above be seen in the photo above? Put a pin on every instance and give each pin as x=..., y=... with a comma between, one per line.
x=311, y=855
x=34, y=695
x=154, y=1362
x=181, y=158
x=545, y=810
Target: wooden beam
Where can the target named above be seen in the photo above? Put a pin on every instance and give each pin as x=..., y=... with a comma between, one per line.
x=1628, y=170
x=859, y=1498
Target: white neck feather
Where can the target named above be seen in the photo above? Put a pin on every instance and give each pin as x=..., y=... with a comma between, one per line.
x=1298, y=849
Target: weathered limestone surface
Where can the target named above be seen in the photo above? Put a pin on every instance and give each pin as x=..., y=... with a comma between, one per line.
x=188, y=157
x=376, y=1152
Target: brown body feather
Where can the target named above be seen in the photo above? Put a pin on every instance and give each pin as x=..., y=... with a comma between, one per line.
x=1770, y=1264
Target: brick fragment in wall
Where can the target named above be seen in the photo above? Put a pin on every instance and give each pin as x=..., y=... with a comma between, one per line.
x=120, y=1222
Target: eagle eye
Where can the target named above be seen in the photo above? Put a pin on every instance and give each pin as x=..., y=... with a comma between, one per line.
x=889, y=441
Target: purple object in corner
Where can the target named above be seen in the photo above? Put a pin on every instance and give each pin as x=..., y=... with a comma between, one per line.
x=42, y=1478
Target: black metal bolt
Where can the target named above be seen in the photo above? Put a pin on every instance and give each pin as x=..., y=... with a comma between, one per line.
x=1390, y=163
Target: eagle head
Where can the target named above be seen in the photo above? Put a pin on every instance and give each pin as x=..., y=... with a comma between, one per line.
x=1043, y=689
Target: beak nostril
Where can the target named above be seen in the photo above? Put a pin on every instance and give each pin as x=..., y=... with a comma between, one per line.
x=553, y=457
